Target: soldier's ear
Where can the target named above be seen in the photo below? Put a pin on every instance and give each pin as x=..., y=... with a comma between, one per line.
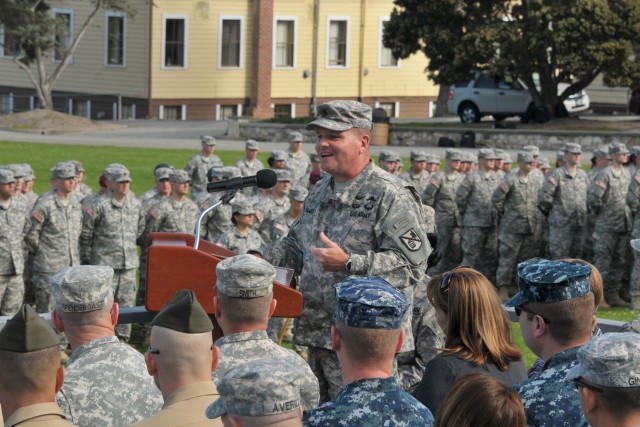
x=57, y=322
x=400, y=341
x=216, y=306
x=150, y=361
x=215, y=353
x=336, y=342
x=272, y=307
x=59, y=378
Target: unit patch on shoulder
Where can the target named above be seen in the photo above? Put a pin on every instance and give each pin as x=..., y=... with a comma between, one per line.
x=411, y=240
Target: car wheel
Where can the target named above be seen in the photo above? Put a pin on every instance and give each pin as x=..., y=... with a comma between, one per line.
x=529, y=114
x=469, y=113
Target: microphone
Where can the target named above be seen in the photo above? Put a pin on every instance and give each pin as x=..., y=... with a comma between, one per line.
x=265, y=178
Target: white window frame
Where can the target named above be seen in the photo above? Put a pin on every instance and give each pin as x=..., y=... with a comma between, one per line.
x=185, y=18
x=240, y=65
x=66, y=11
x=327, y=42
x=295, y=42
x=114, y=14
x=381, y=47
x=2, y=55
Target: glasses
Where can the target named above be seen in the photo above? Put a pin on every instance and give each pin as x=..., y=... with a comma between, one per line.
x=579, y=382
x=520, y=308
x=444, y=285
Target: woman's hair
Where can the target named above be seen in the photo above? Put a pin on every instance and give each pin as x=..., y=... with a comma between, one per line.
x=480, y=400
x=478, y=328
x=595, y=280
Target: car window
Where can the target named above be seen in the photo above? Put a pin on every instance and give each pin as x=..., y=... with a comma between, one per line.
x=485, y=81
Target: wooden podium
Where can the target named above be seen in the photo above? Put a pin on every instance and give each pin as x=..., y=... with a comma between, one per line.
x=174, y=264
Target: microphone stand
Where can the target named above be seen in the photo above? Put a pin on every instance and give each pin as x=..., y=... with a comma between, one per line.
x=226, y=198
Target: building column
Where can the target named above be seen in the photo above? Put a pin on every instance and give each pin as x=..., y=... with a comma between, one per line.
x=262, y=62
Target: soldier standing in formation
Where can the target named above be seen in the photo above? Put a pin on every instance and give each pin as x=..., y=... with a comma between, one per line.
x=298, y=161
x=417, y=176
x=241, y=237
x=273, y=206
x=200, y=164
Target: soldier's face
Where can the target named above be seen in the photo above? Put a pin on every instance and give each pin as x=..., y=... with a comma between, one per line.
x=66, y=185
x=7, y=190
x=244, y=220
x=180, y=188
x=251, y=154
x=433, y=167
x=282, y=188
x=27, y=186
x=120, y=189
x=418, y=167
x=619, y=158
x=343, y=155
x=389, y=166
x=163, y=186
x=279, y=164
x=208, y=149
x=294, y=146
x=453, y=165
x=526, y=167
x=572, y=159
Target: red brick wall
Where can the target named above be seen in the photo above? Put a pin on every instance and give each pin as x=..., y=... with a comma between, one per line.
x=262, y=59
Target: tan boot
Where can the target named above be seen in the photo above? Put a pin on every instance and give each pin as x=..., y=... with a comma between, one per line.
x=614, y=300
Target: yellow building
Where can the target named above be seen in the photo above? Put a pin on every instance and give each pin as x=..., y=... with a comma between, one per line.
x=211, y=59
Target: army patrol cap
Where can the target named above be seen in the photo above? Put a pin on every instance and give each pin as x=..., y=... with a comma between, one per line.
x=251, y=144
x=532, y=149
x=559, y=156
x=618, y=148
x=78, y=164
x=369, y=302
x=30, y=174
x=418, y=156
x=6, y=176
x=453, y=154
x=279, y=155
x=63, y=170
x=295, y=137
x=487, y=154
x=162, y=173
x=207, y=140
x=118, y=175
x=506, y=158
x=26, y=332
x=499, y=153
x=184, y=314
x=256, y=389
x=245, y=276
x=635, y=150
x=242, y=208
x=342, y=115
x=544, y=163
x=525, y=156
x=572, y=147
x=283, y=174
x=179, y=176
x=298, y=193
x=609, y=360
x=389, y=156
x=82, y=288
x=18, y=170
x=215, y=172
x=543, y=280
x=433, y=158
x=231, y=172
x=601, y=152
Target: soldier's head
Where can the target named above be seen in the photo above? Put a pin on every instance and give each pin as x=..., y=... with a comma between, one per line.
x=554, y=305
x=208, y=144
x=63, y=178
x=525, y=162
x=179, y=181
x=433, y=163
x=19, y=172
x=251, y=148
x=161, y=176
x=343, y=133
x=608, y=379
x=389, y=160
x=571, y=154
x=7, y=184
x=453, y=159
x=486, y=159
x=30, y=370
x=242, y=214
x=283, y=183
x=297, y=196
x=418, y=161
x=619, y=153
x=497, y=164
x=263, y=392
x=245, y=293
x=367, y=326
x=295, y=141
x=506, y=163
x=119, y=180
x=181, y=349
x=29, y=178
x=600, y=158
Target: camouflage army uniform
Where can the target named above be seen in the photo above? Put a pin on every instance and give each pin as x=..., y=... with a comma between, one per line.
x=379, y=224
x=370, y=402
x=237, y=349
x=30, y=199
x=280, y=226
x=54, y=239
x=298, y=164
x=149, y=194
x=249, y=169
x=563, y=198
x=606, y=197
x=440, y=195
x=197, y=169
x=516, y=202
x=171, y=216
x=109, y=233
x=236, y=241
x=548, y=398
x=266, y=212
x=14, y=223
x=106, y=384
x=143, y=243
x=83, y=190
x=419, y=182
x=633, y=201
x=479, y=233
x=218, y=220
x=590, y=223
x=427, y=336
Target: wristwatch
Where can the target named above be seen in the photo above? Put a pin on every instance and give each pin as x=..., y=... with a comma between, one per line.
x=348, y=264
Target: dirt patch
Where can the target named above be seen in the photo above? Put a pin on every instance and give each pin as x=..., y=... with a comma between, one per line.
x=51, y=122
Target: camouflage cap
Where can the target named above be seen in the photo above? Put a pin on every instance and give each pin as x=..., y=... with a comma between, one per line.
x=418, y=156
x=453, y=154
x=433, y=158
x=559, y=156
x=118, y=175
x=544, y=163
x=245, y=276
x=26, y=332
x=369, y=302
x=6, y=176
x=184, y=314
x=179, y=176
x=216, y=172
x=572, y=147
x=115, y=165
x=507, y=158
x=389, y=156
x=162, y=173
x=30, y=174
x=487, y=154
x=251, y=144
x=63, y=170
x=82, y=288
x=18, y=169
x=618, y=148
x=242, y=208
x=609, y=360
x=279, y=155
x=635, y=150
x=601, y=152
x=314, y=158
x=525, y=156
x=229, y=172
x=543, y=280
x=207, y=140
x=499, y=152
x=343, y=115
x=532, y=149
x=162, y=165
x=78, y=164
x=472, y=158
x=257, y=388
x=298, y=193
x=283, y=174
x=295, y=137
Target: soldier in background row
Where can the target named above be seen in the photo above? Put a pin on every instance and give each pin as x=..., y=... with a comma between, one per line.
x=389, y=161
x=633, y=201
x=82, y=189
x=200, y=164
x=298, y=161
x=281, y=224
x=499, y=162
x=18, y=174
x=250, y=164
x=273, y=206
x=218, y=220
x=417, y=176
x=241, y=237
x=507, y=163
x=600, y=160
x=161, y=183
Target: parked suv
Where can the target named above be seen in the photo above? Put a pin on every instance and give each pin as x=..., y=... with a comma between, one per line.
x=501, y=97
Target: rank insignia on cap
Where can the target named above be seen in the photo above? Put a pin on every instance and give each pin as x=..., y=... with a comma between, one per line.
x=411, y=240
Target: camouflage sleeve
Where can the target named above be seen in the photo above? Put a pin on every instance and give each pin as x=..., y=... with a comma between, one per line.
x=633, y=194
x=429, y=195
x=90, y=217
x=39, y=214
x=191, y=167
x=546, y=194
x=500, y=194
x=276, y=230
x=462, y=194
x=596, y=192
x=286, y=252
x=141, y=224
x=152, y=223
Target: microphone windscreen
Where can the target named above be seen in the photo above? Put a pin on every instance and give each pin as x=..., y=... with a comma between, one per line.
x=266, y=178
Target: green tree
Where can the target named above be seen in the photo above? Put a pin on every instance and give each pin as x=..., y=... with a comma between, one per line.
x=32, y=35
x=570, y=41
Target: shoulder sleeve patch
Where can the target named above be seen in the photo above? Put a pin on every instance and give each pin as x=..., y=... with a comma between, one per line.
x=279, y=227
x=504, y=187
x=465, y=183
x=435, y=183
x=553, y=181
x=602, y=184
x=637, y=178
x=409, y=238
x=38, y=216
x=89, y=212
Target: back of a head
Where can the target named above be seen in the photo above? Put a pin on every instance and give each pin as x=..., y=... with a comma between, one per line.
x=480, y=400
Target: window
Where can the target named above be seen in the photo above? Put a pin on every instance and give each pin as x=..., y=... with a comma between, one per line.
x=175, y=42
x=63, y=34
x=9, y=46
x=282, y=110
x=284, y=43
x=389, y=108
x=337, y=48
x=81, y=108
x=385, y=57
x=115, y=39
x=227, y=111
x=172, y=112
x=230, y=42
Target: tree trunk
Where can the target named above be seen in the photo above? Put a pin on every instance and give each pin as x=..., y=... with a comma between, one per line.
x=441, y=103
